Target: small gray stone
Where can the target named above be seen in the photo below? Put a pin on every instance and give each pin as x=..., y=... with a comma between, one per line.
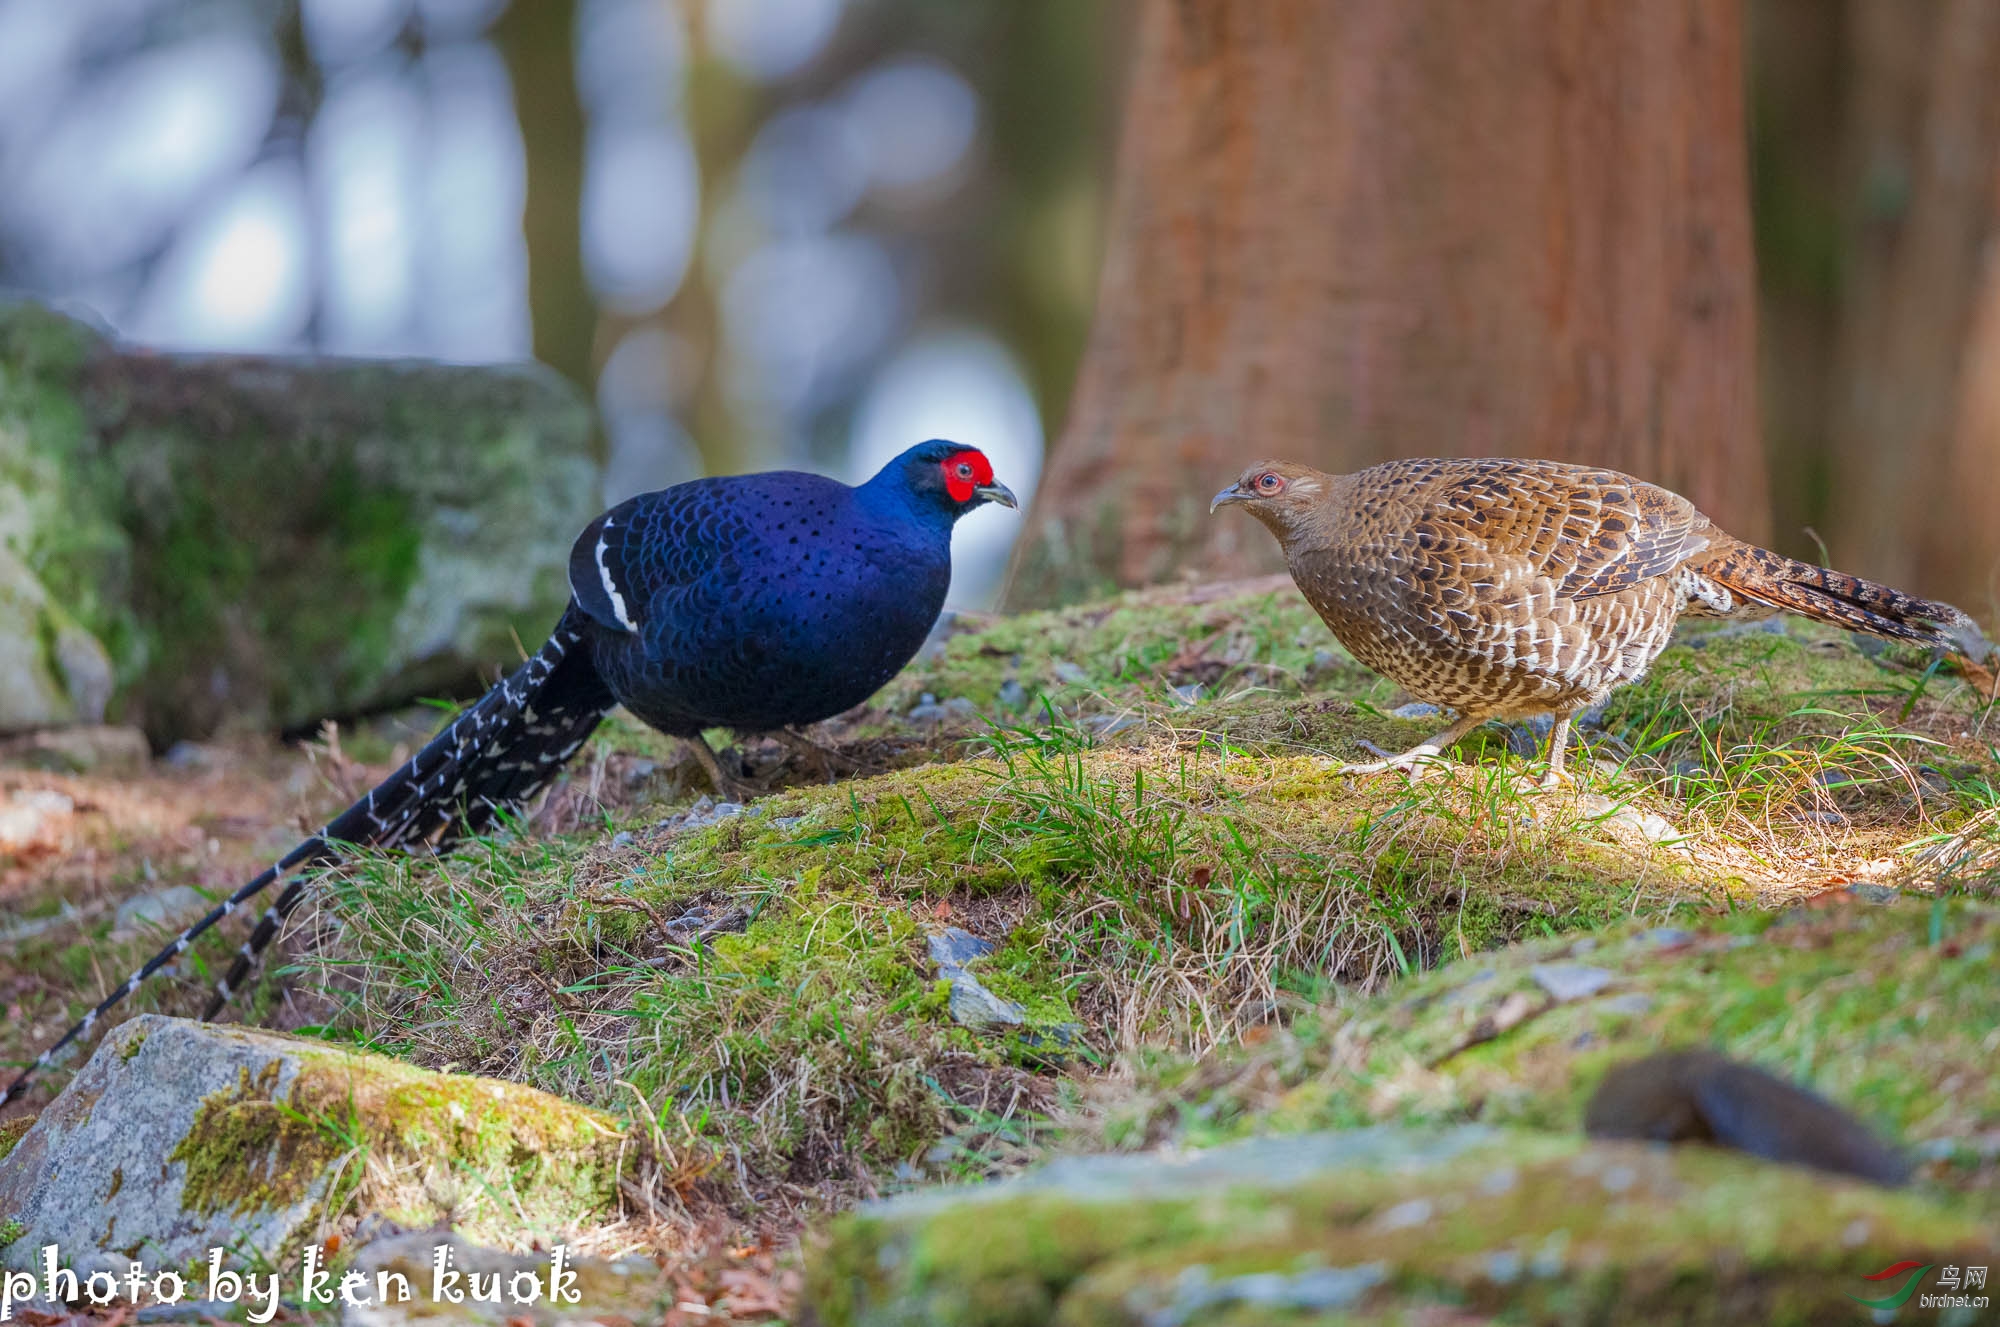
x=975, y=1007
x=14, y=932
x=1416, y=709
x=1068, y=673
x=1871, y=893
x=187, y=755
x=624, y=838
x=1571, y=981
x=89, y=749
x=169, y=909
x=1190, y=693
x=706, y=811
x=1415, y=1212
x=956, y=710
x=1013, y=695
x=954, y=947
x=972, y=1005
x=1667, y=937
x=1632, y=1002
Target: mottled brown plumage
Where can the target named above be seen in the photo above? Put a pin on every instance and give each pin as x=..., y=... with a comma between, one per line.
x=1503, y=588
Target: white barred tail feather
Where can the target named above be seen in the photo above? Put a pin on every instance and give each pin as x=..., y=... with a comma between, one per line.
x=1834, y=597
x=499, y=752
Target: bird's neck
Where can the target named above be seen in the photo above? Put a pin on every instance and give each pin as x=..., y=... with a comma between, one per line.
x=896, y=504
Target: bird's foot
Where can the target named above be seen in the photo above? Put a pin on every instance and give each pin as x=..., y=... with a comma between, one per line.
x=1414, y=764
x=1556, y=777
x=728, y=787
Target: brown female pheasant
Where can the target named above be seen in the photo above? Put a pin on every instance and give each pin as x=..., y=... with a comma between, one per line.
x=1502, y=589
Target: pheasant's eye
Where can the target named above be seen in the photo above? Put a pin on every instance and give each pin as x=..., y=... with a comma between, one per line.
x=965, y=469
x=1269, y=482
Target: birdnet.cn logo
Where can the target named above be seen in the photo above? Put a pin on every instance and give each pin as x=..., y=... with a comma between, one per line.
x=1955, y=1288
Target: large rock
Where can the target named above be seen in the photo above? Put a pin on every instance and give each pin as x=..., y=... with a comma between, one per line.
x=270, y=539
x=52, y=671
x=180, y=1136
x=1384, y=1225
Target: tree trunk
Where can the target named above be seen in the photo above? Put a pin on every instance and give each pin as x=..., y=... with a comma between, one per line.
x=1913, y=435
x=538, y=41
x=1350, y=230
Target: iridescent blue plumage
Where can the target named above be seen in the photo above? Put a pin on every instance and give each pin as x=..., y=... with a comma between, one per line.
x=754, y=602
x=765, y=601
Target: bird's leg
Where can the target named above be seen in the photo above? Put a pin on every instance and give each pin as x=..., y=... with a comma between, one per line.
x=1558, y=749
x=728, y=787
x=1409, y=762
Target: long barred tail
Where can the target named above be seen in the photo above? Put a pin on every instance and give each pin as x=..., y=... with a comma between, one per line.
x=499, y=752
x=1836, y=598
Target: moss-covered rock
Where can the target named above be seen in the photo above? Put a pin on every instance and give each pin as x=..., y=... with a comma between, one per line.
x=1375, y=1225
x=178, y=1136
x=1888, y=1008
x=273, y=540
x=52, y=671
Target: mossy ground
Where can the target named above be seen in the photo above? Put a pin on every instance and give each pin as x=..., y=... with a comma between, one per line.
x=1133, y=802
x=1888, y=1008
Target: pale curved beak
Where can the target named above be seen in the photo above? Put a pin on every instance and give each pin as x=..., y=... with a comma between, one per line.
x=998, y=492
x=1224, y=498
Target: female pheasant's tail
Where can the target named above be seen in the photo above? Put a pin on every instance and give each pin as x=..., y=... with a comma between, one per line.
x=1760, y=576
x=499, y=752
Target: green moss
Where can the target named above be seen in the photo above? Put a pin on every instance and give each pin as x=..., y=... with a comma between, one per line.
x=1858, y=1001
x=11, y=1230
x=1019, y=971
x=515, y=1159
x=1136, y=645
x=249, y=1152
x=11, y=1132
x=1515, y=1225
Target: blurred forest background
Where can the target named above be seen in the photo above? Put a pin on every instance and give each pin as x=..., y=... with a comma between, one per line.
x=1745, y=247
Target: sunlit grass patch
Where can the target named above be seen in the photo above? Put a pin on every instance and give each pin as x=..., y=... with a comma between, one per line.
x=766, y=979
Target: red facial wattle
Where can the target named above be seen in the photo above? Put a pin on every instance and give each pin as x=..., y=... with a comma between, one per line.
x=964, y=472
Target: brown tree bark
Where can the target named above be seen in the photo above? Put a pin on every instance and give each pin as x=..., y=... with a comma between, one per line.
x=1349, y=230
x=1913, y=438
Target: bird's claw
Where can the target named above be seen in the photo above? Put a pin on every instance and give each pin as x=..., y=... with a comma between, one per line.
x=729, y=787
x=1413, y=765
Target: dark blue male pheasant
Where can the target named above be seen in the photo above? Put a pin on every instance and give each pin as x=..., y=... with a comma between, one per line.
x=754, y=602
